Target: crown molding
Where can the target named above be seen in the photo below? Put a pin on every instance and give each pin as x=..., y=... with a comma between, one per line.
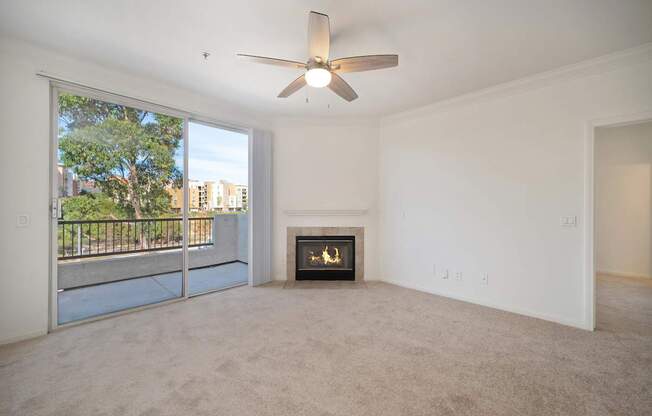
x=602, y=64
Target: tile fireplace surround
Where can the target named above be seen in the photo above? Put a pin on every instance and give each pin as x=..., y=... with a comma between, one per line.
x=293, y=232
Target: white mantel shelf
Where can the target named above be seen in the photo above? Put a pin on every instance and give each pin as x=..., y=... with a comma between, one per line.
x=325, y=212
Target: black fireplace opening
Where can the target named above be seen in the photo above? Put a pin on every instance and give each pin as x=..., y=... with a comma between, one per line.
x=325, y=258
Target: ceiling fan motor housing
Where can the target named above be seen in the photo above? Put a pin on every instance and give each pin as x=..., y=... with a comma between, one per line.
x=313, y=63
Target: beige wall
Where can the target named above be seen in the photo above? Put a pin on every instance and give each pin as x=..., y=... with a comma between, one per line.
x=623, y=193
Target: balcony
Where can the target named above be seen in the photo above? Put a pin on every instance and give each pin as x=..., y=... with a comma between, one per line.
x=109, y=265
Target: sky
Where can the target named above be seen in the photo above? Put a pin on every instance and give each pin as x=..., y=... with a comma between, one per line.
x=216, y=154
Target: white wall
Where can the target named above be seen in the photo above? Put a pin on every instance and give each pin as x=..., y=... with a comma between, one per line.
x=623, y=198
x=24, y=164
x=325, y=165
x=479, y=184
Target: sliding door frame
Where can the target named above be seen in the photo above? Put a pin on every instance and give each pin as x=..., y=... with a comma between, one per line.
x=58, y=86
x=249, y=132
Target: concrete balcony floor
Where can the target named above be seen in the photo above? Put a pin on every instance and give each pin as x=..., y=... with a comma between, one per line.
x=90, y=301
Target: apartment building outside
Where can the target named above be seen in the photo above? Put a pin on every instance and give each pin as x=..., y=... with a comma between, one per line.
x=211, y=196
x=241, y=197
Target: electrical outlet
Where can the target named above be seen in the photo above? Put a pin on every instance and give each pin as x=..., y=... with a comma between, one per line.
x=458, y=276
x=568, y=221
x=444, y=274
x=485, y=279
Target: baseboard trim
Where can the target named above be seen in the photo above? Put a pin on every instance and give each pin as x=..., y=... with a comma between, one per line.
x=524, y=312
x=24, y=337
x=623, y=274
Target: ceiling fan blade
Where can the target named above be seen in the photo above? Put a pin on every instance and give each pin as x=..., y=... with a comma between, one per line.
x=272, y=61
x=294, y=86
x=364, y=63
x=319, y=36
x=341, y=88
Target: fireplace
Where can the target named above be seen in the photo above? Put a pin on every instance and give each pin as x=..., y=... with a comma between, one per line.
x=325, y=257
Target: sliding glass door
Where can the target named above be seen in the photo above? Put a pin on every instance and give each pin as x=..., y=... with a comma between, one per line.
x=118, y=207
x=148, y=205
x=218, y=204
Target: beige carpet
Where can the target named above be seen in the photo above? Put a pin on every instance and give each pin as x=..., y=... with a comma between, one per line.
x=338, y=350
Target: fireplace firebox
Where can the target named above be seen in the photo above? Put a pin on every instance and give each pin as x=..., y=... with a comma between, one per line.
x=325, y=258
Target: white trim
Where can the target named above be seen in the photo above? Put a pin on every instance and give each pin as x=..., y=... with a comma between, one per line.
x=53, y=311
x=216, y=124
x=24, y=337
x=185, y=255
x=325, y=212
x=594, y=66
x=250, y=231
x=589, y=206
x=589, y=226
x=524, y=312
x=623, y=274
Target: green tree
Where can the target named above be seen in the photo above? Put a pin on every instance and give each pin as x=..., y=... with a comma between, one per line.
x=128, y=153
x=92, y=206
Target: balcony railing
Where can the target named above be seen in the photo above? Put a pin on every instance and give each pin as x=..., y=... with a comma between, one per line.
x=77, y=239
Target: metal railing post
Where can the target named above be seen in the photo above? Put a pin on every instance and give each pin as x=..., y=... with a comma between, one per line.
x=79, y=243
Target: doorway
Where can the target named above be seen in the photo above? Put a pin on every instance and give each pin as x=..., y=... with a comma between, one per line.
x=623, y=227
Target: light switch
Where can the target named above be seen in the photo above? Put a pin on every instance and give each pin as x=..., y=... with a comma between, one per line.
x=22, y=220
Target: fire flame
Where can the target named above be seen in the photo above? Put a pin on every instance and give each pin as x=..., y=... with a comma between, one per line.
x=325, y=259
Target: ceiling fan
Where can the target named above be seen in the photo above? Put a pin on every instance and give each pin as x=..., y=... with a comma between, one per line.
x=320, y=71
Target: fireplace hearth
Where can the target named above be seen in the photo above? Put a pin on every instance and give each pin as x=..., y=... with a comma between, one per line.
x=325, y=257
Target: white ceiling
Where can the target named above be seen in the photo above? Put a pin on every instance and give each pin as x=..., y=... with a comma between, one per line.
x=446, y=47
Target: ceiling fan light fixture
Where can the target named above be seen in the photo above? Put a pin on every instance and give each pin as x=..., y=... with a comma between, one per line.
x=320, y=70
x=318, y=77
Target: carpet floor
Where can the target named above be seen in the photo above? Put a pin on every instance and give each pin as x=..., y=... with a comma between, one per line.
x=338, y=350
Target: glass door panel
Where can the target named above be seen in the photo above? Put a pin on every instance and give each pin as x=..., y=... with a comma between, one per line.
x=119, y=184
x=218, y=166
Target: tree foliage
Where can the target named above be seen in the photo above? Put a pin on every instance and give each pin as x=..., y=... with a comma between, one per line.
x=91, y=206
x=128, y=153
